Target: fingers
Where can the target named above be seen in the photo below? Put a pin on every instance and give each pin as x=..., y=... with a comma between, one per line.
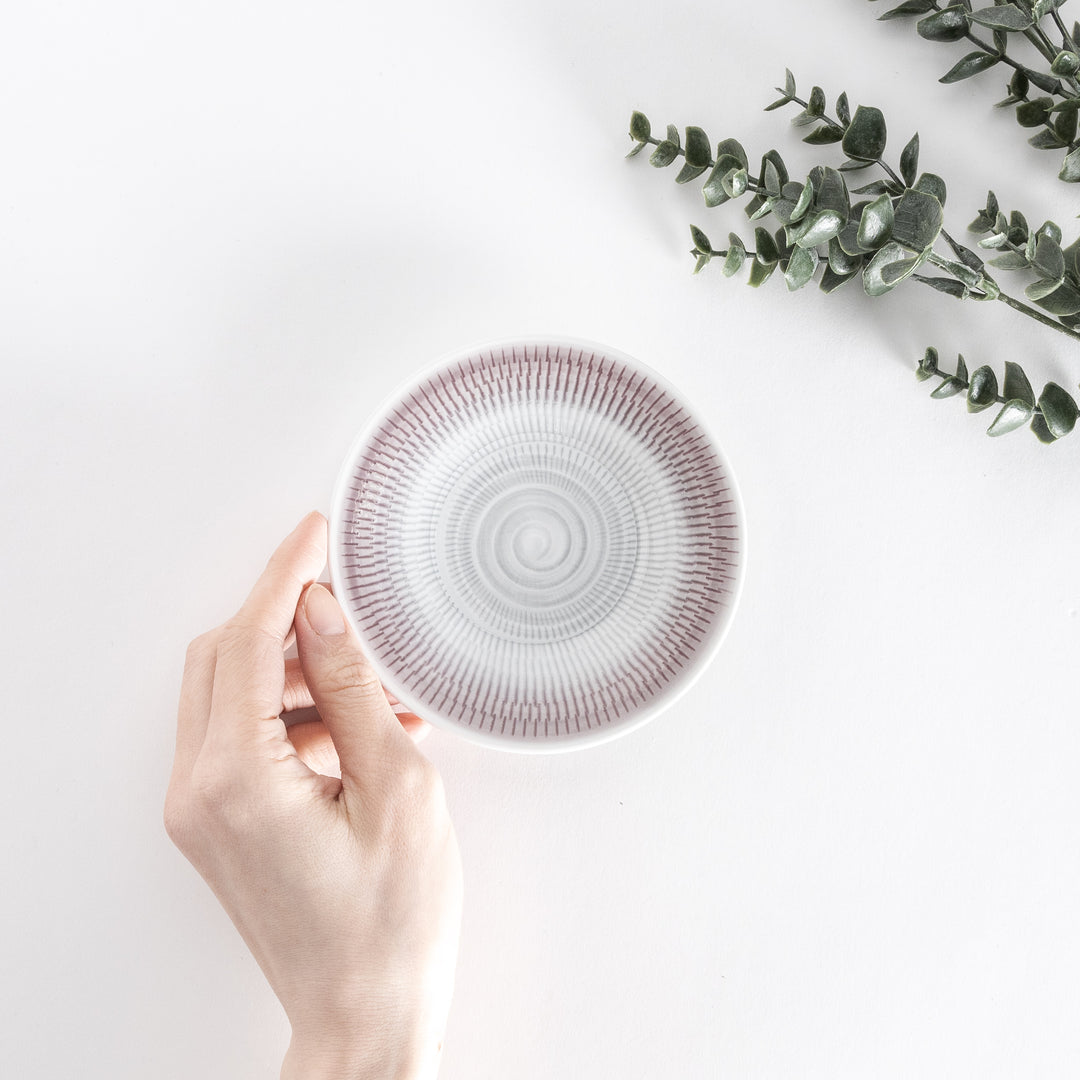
x=196, y=692
x=371, y=743
x=249, y=672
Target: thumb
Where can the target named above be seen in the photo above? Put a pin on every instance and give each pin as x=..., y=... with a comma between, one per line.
x=347, y=692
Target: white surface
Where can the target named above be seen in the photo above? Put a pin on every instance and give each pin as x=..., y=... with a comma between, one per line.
x=229, y=230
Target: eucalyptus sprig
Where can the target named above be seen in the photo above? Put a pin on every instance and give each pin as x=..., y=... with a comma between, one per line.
x=1039, y=23
x=1052, y=416
x=884, y=239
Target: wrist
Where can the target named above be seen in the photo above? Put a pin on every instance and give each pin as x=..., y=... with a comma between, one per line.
x=326, y=1059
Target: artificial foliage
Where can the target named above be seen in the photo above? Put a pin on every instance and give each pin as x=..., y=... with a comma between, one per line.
x=1033, y=44
x=889, y=230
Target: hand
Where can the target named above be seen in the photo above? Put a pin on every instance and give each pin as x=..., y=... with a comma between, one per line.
x=346, y=889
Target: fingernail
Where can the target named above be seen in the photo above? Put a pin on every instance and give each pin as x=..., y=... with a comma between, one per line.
x=324, y=612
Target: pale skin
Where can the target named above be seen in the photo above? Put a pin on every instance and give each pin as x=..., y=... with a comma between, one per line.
x=328, y=842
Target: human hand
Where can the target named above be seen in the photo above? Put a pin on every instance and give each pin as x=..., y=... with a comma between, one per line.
x=347, y=890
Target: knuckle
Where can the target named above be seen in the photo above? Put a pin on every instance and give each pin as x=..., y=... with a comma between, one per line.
x=355, y=676
x=201, y=649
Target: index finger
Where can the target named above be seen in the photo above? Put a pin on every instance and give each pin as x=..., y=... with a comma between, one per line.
x=250, y=674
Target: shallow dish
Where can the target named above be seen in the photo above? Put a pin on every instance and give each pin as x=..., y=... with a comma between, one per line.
x=538, y=543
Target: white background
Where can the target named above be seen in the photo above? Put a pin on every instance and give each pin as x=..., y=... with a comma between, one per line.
x=228, y=230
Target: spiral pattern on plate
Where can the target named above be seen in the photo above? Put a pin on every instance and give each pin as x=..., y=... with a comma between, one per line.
x=537, y=542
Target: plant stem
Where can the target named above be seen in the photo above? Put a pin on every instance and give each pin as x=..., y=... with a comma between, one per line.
x=1038, y=316
x=1066, y=37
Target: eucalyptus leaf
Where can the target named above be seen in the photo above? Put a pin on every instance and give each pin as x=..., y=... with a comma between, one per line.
x=831, y=281
x=1042, y=432
x=714, y=191
x=664, y=154
x=866, y=136
x=1049, y=259
x=819, y=228
x=689, y=172
x=908, y=8
x=734, y=149
x=874, y=281
x=969, y=65
x=698, y=148
x=801, y=266
x=760, y=272
x=803, y=202
x=1017, y=385
x=736, y=256
x=1064, y=300
x=1070, y=167
x=876, y=223
x=1013, y=414
x=1003, y=17
x=824, y=135
x=843, y=110
x=909, y=160
x=931, y=184
x=1058, y=409
x=949, y=387
x=701, y=241
x=640, y=128
x=918, y=220
x=1011, y=260
x=765, y=246
x=982, y=390
x=948, y=24
x=840, y=262
x=832, y=193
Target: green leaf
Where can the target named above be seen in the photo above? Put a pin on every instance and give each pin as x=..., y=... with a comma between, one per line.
x=1072, y=258
x=1013, y=414
x=1011, y=260
x=789, y=83
x=802, y=203
x=1049, y=259
x=640, y=127
x=831, y=281
x=843, y=110
x=928, y=365
x=894, y=272
x=735, y=182
x=1064, y=300
x=1033, y=113
x=1037, y=290
x=909, y=7
x=874, y=281
x=765, y=246
x=824, y=135
x=948, y=388
x=840, y=262
x=816, y=229
x=1070, y=167
x=876, y=223
x=1016, y=384
x=702, y=262
x=1059, y=409
x=698, y=148
x=865, y=137
x=982, y=390
x=969, y=65
x=714, y=191
x=760, y=273
x=1066, y=63
x=1003, y=17
x=774, y=174
x=918, y=220
x=1048, y=139
x=689, y=172
x=945, y=285
x=1050, y=229
x=701, y=241
x=734, y=149
x=1042, y=432
x=664, y=154
x=832, y=192
x=800, y=267
x=673, y=135
x=949, y=24
x=1044, y=7
x=932, y=184
x=1065, y=124
x=816, y=105
x=909, y=160
x=736, y=256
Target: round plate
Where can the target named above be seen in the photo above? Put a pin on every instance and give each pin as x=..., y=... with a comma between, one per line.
x=538, y=543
